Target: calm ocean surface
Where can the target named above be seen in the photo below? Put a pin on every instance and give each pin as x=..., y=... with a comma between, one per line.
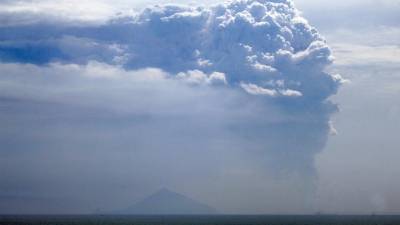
x=199, y=220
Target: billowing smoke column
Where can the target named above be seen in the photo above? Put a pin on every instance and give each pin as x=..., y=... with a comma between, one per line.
x=265, y=47
x=262, y=47
x=229, y=102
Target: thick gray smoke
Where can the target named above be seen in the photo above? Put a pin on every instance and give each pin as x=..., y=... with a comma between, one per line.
x=227, y=103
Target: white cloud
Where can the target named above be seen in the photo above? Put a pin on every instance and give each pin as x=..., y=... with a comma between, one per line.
x=352, y=54
x=256, y=90
x=199, y=77
x=28, y=12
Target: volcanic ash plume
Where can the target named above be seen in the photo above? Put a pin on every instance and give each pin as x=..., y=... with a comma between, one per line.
x=226, y=99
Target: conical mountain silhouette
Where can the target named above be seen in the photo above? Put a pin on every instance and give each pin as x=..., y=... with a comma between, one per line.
x=165, y=202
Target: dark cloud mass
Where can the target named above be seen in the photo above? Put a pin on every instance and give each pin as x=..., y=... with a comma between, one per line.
x=227, y=103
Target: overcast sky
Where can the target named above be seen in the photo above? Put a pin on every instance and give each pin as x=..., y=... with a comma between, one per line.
x=102, y=104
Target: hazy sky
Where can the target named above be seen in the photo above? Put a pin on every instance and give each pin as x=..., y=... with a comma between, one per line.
x=221, y=103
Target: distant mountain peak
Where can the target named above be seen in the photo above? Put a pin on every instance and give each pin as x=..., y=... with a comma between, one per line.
x=165, y=201
x=165, y=191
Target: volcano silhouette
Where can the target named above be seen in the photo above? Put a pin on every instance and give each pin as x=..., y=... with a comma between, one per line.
x=166, y=202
